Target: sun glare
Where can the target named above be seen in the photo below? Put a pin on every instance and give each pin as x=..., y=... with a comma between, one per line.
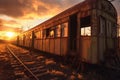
x=10, y=34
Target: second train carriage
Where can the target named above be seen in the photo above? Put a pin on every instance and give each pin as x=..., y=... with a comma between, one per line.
x=86, y=30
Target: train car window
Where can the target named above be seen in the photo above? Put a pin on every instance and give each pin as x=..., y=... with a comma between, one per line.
x=86, y=31
x=64, y=29
x=57, y=31
x=30, y=36
x=41, y=33
x=51, y=33
x=37, y=34
x=85, y=24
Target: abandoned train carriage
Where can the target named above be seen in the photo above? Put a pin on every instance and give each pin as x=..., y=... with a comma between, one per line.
x=86, y=30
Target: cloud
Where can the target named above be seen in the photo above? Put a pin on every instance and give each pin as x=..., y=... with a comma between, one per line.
x=11, y=8
x=20, y=8
x=8, y=25
x=0, y=22
x=26, y=11
x=47, y=7
x=17, y=8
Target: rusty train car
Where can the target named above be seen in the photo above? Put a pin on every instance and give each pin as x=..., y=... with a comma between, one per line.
x=85, y=30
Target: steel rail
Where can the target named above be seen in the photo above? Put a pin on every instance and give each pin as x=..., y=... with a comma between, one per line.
x=22, y=63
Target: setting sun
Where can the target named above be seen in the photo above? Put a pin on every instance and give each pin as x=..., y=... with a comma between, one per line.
x=10, y=34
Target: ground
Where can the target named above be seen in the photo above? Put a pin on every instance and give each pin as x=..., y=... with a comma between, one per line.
x=6, y=71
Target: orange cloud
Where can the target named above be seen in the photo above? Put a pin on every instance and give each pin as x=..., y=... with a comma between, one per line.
x=27, y=13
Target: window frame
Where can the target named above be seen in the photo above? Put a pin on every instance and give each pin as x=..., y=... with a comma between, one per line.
x=85, y=33
x=64, y=29
x=85, y=22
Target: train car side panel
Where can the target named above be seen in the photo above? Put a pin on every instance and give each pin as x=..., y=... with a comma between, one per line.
x=85, y=48
x=57, y=46
x=64, y=46
x=44, y=45
x=52, y=46
x=47, y=45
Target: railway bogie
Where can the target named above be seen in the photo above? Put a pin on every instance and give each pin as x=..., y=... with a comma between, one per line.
x=86, y=30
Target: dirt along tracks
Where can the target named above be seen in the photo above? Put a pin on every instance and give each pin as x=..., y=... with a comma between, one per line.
x=43, y=67
x=6, y=71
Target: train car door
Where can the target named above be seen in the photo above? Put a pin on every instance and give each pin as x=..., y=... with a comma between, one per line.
x=32, y=40
x=85, y=37
x=73, y=33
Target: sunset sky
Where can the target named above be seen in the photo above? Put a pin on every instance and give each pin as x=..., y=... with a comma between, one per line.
x=27, y=13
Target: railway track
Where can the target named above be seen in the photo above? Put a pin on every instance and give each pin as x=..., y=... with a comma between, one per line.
x=31, y=66
x=34, y=66
x=21, y=62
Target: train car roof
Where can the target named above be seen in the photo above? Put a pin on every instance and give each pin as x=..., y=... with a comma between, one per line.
x=71, y=11
x=64, y=12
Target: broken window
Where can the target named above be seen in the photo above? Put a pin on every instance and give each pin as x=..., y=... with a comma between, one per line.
x=41, y=33
x=85, y=24
x=48, y=33
x=86, y=31
x=51, y=33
